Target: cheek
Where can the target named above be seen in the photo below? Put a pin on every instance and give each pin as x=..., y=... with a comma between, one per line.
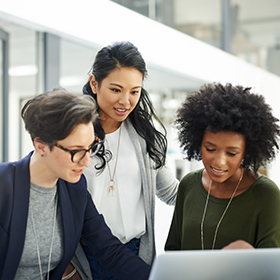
x=206, y=159
x=238, y=161
x=234, y=163
x=205, y=155
x=62, y=162
x=105, y=100
x=134, y=100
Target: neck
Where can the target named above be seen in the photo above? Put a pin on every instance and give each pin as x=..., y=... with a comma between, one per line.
x=110, y=127
x=39, y=172
x=225, y=189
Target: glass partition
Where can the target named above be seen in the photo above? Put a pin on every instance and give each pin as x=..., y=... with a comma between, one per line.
x=75, y=62
x=1, y=100
x=256, y=36
x=23, y=83
x=4, y=62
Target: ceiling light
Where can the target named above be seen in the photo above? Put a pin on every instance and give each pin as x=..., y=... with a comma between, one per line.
x=24, y=70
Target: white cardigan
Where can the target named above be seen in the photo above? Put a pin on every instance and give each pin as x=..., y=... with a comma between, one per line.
x=160, y=182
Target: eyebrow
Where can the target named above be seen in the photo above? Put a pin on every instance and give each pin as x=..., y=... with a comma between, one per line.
x=114, y=84
x=77, y=147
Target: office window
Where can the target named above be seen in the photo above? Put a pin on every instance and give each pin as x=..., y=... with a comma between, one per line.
x=159, y=10
x=256, y=36
x=75, y=62
x=200, y=19
x=1, y=99
x=23, y=83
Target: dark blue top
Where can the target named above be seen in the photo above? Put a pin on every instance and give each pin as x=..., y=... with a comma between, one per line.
x=80, y=219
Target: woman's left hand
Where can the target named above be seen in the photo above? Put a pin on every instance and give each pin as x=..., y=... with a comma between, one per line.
x=238, y=244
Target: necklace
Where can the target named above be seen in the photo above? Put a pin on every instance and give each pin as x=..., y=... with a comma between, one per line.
x=111, y=181
x=36, y=239
x=205, y=208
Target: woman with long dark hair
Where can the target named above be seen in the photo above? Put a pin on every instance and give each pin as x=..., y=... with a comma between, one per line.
x=134, y=169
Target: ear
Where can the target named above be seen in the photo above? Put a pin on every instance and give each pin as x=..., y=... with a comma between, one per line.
x=93, y=84
x=40, y=146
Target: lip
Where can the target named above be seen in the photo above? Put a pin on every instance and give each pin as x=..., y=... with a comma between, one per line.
x=78, y=172
x=218, y=172
x=121, y=111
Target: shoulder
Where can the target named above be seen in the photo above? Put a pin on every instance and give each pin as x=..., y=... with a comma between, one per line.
x=7, y=167
x=190, y=180
x=13, y=175
x=264, y=189
x=188, y=187
x=191, y=177
x=8, y=170
x=263, y=183
x=10, y=167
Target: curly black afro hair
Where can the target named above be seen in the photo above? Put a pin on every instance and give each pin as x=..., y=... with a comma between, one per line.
x=216, y=107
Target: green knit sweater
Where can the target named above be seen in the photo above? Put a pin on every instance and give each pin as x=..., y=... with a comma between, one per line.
x=253, y=216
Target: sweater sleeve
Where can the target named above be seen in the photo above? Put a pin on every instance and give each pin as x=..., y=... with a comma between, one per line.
x=166, y=186
x=268, y=228
x=174, y=237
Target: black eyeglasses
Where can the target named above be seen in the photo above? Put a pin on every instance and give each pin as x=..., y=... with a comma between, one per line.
x=78, y=155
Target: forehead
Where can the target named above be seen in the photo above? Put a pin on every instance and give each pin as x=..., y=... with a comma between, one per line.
x=125, y=75
x=81, y=135
x=226, y=139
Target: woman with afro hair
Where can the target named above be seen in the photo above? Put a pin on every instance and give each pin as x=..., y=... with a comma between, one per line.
x=227, y=204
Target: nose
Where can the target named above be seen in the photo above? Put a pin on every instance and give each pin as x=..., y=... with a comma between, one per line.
x=124, y=99
x=85, y=161
x=220, y=160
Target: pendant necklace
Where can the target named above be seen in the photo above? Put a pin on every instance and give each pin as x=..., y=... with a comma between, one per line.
x=111, y=183
x=205, y=208
x=36, y=239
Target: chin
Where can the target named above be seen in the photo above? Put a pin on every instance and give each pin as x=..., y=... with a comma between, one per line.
x=73, y=180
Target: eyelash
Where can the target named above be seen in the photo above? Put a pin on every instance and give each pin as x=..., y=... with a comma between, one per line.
x=213, y=150
x=118, y=90
x=232, y=154
x=115, y=90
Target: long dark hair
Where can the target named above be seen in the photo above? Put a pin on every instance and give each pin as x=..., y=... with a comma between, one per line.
x=125, y=54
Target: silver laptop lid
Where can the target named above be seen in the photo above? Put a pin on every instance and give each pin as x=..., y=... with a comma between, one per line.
x=254, y=264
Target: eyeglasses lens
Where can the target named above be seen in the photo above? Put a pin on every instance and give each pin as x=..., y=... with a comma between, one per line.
x=94, y=150
x=79, y=155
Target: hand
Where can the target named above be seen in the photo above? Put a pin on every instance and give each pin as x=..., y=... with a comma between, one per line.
x=238, y=244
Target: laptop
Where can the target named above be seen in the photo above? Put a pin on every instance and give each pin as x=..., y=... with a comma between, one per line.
x=251, y=264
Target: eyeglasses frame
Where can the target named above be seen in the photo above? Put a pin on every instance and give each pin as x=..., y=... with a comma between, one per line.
x=96, y=142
